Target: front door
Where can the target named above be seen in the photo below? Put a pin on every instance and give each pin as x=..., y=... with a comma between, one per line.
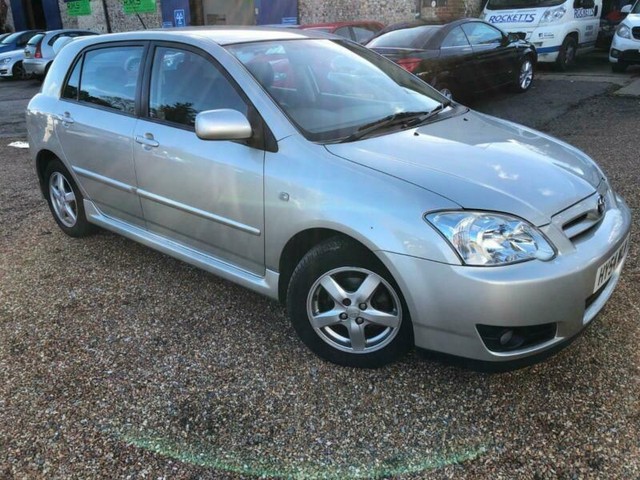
x=205, y=194
x=494, y=60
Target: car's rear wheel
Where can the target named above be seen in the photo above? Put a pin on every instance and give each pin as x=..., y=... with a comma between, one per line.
x=619, y=67
x=567, y=54
x=66, y=201
x=346, y=307
x=19, y=73
x=524, y=75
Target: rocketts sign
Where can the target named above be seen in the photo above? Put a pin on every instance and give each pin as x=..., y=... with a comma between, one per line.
x=512, y=18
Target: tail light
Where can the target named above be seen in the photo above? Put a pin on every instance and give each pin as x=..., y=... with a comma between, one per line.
x=409, y=64
x=38, y=53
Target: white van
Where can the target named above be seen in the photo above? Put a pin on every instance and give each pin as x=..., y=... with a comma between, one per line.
x=559, y=29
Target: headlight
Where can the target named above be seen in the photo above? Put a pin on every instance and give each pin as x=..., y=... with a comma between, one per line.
x=6, y=60
x=553, y=15
x=484, y=238
x=623, y=31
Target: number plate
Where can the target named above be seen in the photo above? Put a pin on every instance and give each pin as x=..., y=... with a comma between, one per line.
x=607, y=268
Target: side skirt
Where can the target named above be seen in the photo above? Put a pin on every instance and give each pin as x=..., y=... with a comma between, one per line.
x=267, y=285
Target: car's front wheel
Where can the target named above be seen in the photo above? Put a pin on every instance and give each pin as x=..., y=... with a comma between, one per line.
x=346, y=307
x=19, y=73
x=567, y=54
x=524, y=75
x=66, y=201
x=619, y=67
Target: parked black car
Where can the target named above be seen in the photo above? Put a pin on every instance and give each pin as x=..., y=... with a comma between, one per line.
x=460, y=58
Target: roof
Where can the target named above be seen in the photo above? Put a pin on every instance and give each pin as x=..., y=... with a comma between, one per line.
x=220, y=35
x=336, y=25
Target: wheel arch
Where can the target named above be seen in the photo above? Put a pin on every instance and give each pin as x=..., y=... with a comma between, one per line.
x=298, y=246
x=43, y=158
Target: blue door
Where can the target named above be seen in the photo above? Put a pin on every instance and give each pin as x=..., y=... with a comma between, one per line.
x=175, y=13
x=52, y=14
x=277, y=12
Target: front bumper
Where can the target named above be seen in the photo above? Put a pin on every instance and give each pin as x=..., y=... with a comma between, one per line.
x=35, y=66
x=447, y=302
x=625, y=50
x=6, y=69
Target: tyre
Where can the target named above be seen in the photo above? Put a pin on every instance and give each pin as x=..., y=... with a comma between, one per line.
x=567, y=54
x=524, y=75
x=19, y=73
x=619, y=67
x=66, y=201
x=346, y=307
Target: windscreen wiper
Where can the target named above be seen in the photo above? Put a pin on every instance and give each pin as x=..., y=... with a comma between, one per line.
x=421, y=119
x=407, y=119
x=385, y=122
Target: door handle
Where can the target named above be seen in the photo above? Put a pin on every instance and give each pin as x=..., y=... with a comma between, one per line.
x=147, y=140
x=65, y=119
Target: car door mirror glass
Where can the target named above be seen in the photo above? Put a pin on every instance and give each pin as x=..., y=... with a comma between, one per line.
x=222, y=124
x=625, y=9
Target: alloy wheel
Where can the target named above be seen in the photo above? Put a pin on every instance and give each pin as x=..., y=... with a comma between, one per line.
x=354, y=310
x=63, y=199
x=526, y=74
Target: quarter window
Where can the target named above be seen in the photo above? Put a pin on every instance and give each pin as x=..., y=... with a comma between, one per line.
x=110, y=77
x=184, y=84
x=71, y=88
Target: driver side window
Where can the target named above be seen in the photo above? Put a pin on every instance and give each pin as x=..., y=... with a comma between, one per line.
x=482, y=34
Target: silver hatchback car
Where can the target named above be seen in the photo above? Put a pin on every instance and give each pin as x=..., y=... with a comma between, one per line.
x=314, y=171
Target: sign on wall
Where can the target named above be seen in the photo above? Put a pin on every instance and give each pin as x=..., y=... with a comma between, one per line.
x=78, y=8
x=139, y=6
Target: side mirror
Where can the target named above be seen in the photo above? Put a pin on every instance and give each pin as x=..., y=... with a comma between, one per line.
x=516, y=36
x=222, y=124
x=626, y=9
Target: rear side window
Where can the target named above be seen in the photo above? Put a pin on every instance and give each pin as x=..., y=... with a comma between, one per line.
x=363, y=35
x=110, y=77
x=184, y=84
x=36, y=39
x=343, y=32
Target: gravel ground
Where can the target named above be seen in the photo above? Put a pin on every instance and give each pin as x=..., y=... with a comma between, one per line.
x=119, y=362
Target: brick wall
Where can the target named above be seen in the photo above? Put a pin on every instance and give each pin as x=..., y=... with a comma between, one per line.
x=385, y=11
x=9, y=20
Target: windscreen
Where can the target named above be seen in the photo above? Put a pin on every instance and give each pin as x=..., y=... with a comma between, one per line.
x=330, y=88
x=515, y=4
x=11, y=38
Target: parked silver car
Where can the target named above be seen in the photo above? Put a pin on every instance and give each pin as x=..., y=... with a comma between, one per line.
x=39, y=52
x=317, y=172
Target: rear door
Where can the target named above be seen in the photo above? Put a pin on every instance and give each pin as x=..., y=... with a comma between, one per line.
x=205, y=194
x=95, y=124
x=495, y=59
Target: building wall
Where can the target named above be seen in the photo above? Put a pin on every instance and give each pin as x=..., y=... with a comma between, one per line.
x=385, y=11
x=120, y=22
x=9, y=20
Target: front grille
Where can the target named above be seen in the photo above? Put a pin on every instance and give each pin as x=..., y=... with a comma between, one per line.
x=585, y=215
x=636, y=32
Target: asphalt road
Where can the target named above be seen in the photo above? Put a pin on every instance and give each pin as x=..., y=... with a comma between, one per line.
x=119, y=362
